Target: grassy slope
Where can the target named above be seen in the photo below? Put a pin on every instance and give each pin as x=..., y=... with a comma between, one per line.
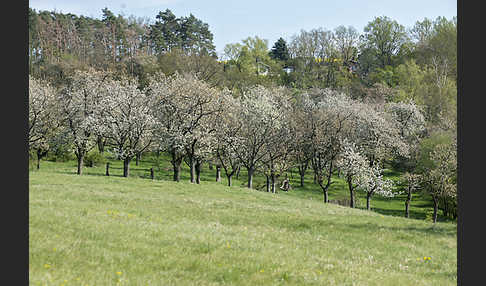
x=85, y=229
x=421, y=206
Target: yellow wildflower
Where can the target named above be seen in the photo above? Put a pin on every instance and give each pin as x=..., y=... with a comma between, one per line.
x=47, y=265
x=119, y=273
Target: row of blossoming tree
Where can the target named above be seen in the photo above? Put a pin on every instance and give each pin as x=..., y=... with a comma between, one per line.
x=265, y=129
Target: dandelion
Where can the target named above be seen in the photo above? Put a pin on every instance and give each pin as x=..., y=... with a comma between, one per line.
x=54, y=249
x=119, y=272
x=47, y=266
x=262, y=271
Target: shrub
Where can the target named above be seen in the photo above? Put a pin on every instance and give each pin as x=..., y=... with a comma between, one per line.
x=60, y=154
x=94, y=158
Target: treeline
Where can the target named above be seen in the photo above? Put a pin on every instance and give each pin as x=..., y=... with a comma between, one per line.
x=386, y=60
x=60, y=43
x=333, y=102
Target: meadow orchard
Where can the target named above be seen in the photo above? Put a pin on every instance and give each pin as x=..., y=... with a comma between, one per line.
x=329, y=159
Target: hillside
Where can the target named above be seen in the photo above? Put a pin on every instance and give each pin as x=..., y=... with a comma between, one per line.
x=97, y=230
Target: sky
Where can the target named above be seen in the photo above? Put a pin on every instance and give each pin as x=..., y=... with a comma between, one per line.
x=233, y=21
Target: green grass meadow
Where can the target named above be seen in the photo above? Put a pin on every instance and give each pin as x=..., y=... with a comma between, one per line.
x=98, y=230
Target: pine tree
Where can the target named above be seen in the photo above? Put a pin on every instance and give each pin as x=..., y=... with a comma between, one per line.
x=279, y=50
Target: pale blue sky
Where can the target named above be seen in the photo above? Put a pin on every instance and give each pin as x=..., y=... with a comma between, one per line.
x=232, y=21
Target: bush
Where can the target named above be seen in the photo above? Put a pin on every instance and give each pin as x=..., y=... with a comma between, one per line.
x=60, y=154
x=94, y=158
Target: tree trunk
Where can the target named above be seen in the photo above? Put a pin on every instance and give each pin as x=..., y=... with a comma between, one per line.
x=268, y=183
x=302, y=170
x=101, y=144
x=250, y=177
x=126, y=167
x=176, y=165
x=192, y=166
x=138, y=156
x=107, y=169
x=229, y=179
x=273, y=182
x=436, y=205
x=368, y=199
x=324, y=188
x=407, y=203
x=197, y=168
x=152, y=173
x=218, y=173
x=445, y=209
x=80, y=156
x=351, y=192
x=39, y=156
x=210, y=165
x=238, y=173
x=177, y=171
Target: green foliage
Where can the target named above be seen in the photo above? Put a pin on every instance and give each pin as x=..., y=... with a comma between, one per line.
x=436, y=39
x=94, y=158
x=279, y=50
x=249, y=63
x=186, y=33
x=60, y=153
x=385, y=75
x=384, y=39
x=427, y=145
x=410, y=82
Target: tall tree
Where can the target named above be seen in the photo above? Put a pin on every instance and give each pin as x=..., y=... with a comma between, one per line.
x=346, y=39
x=125, y=118
x=383, y=39
x=164, y=34
x=43, y=117
x=279, y=50
x=183, y=106
x=258, y=116
x=78, y=106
